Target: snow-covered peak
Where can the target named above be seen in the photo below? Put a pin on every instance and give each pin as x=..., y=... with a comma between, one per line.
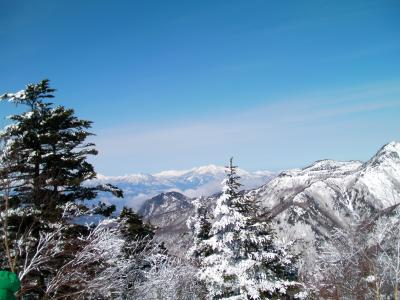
x=195, y=182
x=308, y=203
x=164, y=202
x=326, y=164
x=331, y=167
x=171, y=173
x=209, y=169
x=336, y=190
x=131, y=178
x=386, y=155
x=166, y=208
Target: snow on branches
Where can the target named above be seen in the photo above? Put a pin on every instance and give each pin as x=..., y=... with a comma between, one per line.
x=362, y=260
x=242, y=260
x=108, y=266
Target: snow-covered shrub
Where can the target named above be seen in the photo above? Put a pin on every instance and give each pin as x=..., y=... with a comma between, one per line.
x=361, y=261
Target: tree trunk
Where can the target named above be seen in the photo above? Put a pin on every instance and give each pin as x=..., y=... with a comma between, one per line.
x=36, y=180
x=5, y=228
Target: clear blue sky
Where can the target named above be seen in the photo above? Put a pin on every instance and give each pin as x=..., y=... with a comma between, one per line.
x=177, y=84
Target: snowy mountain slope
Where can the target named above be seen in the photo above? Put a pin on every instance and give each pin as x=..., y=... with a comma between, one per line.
x=166, y=209
x=196, y=182
x=169, y=213
x=331, y=194
x=308, y=203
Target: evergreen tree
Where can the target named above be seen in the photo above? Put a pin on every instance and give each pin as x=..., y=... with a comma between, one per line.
x=199, y=225
x=135, y=227
x=45, y=154
x=244, y=262
x=43, y=167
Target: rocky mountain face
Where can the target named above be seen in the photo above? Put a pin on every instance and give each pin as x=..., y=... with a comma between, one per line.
x=167, y=210
x=330, y=194
x=306, y=203
x=196, y=182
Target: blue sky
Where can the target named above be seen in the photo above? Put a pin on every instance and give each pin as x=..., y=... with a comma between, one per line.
x=177, y=84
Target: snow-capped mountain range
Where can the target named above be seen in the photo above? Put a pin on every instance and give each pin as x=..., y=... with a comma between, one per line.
x=352, y=187
x=330, y=194
x=196, y=182
x=307, y=203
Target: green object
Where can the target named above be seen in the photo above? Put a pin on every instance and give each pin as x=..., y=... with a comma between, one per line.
x=9, y=285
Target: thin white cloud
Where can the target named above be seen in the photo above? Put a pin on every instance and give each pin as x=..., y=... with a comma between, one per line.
x=285, y=123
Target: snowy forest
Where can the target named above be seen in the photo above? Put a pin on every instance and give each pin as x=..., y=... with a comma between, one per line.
x=329, y=231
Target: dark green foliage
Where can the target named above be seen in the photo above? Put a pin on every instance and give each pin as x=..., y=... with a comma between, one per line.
x=135, y=227
x=200, y=226
x=232, y=179
x=204, y=232
x=43, y=167
x=104, y=209
x=47, y=153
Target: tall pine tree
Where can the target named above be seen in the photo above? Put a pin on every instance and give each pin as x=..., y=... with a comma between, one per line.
x=244, y=262
x=45, y=154
x=43, y=169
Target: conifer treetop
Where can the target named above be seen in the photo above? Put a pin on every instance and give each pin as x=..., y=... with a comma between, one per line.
x=231, y=184
x=47, y=150
x=32, y=95
x=243, y=261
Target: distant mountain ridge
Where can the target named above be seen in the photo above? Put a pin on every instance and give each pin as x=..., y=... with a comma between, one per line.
x=351, y=187
x=308, y=203
x=196, y=182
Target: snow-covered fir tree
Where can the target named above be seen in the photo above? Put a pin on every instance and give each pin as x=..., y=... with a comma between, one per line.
x=199, y=225
x=243, y=261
